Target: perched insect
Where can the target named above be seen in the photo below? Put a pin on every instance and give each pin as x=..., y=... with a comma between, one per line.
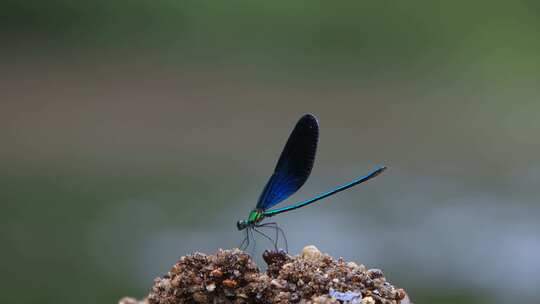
x=291, y=172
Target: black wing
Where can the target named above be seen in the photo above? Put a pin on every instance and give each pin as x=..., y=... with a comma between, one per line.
x=294, y=164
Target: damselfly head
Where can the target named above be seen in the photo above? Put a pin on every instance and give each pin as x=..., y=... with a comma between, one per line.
x=241, y=225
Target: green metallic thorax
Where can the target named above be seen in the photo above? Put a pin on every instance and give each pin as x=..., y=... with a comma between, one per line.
x=255, y=216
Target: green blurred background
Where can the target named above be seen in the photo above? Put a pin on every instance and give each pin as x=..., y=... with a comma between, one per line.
x=136, y=132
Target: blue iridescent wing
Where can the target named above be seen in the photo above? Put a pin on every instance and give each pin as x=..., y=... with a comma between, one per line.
x=294, y=164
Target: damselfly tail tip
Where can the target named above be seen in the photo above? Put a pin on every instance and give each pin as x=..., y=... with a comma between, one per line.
x=379, y=170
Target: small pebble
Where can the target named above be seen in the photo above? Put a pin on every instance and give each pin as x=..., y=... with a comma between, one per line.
x=217, y=273
x=127, y=300
x=278, y=283
x=405, y=300
x=165, y=284
x=200, y=297
x=242, y=295
x=401, y=294
x=368, y=300
x=375, y=273
x=347, y=297
x=311, y=253
x=211, y=287
x=379, y=282
x=230, y=283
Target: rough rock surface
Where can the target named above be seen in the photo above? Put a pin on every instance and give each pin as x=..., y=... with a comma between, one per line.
x=230, y=276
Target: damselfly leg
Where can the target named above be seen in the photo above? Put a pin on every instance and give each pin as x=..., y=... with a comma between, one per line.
x=278, y=231
x=266, y=237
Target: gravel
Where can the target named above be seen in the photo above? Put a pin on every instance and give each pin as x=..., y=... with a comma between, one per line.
x=231, y=276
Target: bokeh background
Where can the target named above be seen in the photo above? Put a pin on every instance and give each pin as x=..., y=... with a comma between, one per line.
x=134, y=132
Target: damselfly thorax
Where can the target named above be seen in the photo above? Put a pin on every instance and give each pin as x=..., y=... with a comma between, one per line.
x=255, y=217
